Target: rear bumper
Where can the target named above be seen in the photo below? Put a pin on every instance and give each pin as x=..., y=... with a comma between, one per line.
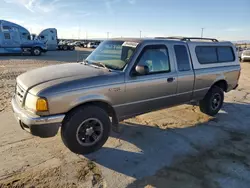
x=46, y=126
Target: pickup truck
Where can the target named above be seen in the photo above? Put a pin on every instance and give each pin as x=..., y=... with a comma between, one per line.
x=120, y=79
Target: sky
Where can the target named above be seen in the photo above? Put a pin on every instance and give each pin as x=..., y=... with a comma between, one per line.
x=221, y=19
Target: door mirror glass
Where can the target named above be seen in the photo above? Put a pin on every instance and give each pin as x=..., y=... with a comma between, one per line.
x=142, y=69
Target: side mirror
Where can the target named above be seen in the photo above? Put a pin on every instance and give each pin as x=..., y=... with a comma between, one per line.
x=142, y=69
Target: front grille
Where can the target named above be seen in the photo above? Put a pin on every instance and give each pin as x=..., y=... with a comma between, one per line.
x=20, y=94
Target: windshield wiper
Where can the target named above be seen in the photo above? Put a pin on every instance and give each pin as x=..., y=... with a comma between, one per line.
x=85, y=62
x=100, y=64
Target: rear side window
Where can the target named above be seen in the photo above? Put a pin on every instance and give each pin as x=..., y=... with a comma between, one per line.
x=225, y=54
x=206, y=54
x=214, y=54
x=182, y=58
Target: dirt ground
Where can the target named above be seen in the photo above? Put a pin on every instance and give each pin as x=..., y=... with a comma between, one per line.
x=176, y=147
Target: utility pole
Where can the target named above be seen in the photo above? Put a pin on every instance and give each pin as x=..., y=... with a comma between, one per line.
x=202, y=29
x=140, y=33
x=107, y=35
x=79, y=32
x=86, y=34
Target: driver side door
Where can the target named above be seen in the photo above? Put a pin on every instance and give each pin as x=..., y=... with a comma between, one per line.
x=154, y=90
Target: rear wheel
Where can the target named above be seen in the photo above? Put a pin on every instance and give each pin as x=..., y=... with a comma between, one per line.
x=65, y=48
x=213, y=101
x=36, y=51
x=71, y=48
x=86, y=129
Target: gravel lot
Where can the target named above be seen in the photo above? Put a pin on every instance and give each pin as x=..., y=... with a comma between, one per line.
x=176, y=147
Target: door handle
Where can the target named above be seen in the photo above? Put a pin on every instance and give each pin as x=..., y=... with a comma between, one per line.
x=170, y=79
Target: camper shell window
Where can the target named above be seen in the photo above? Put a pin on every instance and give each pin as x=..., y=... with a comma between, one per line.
x=214, y=54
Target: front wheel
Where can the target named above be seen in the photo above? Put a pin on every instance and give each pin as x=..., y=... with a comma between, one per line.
x=86, y=129
x=213, y=101
x=36, y=51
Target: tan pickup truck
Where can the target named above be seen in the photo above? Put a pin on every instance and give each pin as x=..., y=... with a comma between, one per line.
x=120, y=79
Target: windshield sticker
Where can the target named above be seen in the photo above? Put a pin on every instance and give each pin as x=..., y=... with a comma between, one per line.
x=130, y=44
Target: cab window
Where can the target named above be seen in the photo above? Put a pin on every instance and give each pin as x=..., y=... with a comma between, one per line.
x=156, y=58
x=182, y=58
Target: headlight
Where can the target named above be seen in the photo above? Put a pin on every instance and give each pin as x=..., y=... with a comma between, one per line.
x=36, y=104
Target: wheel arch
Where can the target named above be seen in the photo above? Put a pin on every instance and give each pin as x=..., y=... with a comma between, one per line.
x=37, y=47
x=221, y=84
x=103, y=104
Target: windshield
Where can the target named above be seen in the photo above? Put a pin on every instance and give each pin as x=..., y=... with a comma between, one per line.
x=113, y=54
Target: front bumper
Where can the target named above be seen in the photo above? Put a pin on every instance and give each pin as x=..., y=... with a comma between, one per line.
x=37, y=125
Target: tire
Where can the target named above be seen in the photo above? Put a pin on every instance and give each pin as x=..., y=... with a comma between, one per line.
x=73, y=124
x=65, y=48
x=212, y=102
x=71, y=48
x=36, y=51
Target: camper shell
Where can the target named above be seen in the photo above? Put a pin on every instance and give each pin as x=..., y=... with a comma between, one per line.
x=15, y=39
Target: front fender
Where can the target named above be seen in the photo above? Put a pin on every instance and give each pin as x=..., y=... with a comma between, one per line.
x=90, y=98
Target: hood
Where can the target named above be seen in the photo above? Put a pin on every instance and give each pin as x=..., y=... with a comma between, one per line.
x=65, y=72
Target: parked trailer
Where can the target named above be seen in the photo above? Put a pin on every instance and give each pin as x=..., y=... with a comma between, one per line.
x=15, y=39
x=64, y=45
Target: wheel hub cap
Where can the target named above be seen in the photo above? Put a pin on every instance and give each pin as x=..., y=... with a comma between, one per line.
x=89, y=132
x=216, y=101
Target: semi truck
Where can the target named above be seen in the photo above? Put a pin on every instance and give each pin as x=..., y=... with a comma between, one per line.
x=49, y=36
x=15, y=39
